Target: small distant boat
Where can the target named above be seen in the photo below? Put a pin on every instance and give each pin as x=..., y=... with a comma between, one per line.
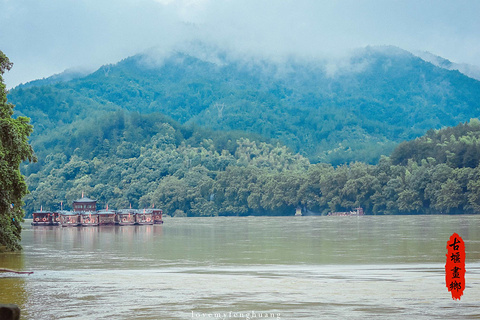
x=145, y=217
x=125, y=217
x=356, y=212
x=69, y=219
x=89, y=219
x=298, y=212
x=106, y=217
x=44, y=218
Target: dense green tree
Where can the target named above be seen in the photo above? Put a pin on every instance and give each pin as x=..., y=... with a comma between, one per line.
x=449, y=198
x=474, y=191
x=146, y=160
x=409, y=202
x=14, y=148
x=457, y=146
x=372, y=102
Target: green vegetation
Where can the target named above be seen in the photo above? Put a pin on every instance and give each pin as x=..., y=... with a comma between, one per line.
x=458, y=146
x=14, y=149
x=180, y=170
x=354, y=110
x=231, y=137
x=173, y=167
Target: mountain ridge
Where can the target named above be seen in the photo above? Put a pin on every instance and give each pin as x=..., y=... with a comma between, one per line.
x=469, y=70
x=353, y=110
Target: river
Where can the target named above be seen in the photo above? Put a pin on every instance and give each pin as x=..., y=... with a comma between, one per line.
x=381, y=267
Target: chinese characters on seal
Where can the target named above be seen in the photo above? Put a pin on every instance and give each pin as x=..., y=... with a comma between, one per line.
x=455, y=266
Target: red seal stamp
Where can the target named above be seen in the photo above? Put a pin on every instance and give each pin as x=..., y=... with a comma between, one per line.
x=455, y=266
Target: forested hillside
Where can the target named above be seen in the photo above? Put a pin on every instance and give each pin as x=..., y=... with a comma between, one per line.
x=458, y=146
x=144, y=160
x=354, y=109
x=185, y=173
x=222, y=136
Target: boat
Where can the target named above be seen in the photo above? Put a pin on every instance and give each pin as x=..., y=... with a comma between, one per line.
x=85, y=214
x=43, y=218
x=84, y=205
x=56, y=218
x=125, y=217
x=69, y=218
x=89, y=218
x=145, y=217
x=106, y=217
x=157, y=216
x=356, y=212
x=298, y=212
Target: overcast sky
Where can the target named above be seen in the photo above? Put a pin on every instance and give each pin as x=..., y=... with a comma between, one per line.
x=46, y=37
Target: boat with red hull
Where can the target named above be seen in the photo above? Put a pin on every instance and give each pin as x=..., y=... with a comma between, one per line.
x=69, y=219
x=89, y=219
x=45, y=218
x=144, y=217
x=157, y=216
x=85, y=214
x=106, y=217
x=126, y=217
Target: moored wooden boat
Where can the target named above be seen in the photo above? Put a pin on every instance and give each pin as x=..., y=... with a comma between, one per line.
x=56, y=218
x=125, y=217
x=43, y=218
x=84, y=205
x=84, y=214
x=157, y=216
x=89, y=219
x=106, y=217
x=144, y=217
x=69, y=219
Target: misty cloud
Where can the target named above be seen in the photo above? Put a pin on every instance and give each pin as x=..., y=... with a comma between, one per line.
x=46, y=37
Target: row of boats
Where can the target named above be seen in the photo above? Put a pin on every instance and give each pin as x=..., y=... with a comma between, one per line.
x=97, y=218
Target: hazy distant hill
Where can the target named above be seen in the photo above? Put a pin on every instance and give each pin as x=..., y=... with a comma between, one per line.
x=341, y=111
x=67, y=75
x=467, y=69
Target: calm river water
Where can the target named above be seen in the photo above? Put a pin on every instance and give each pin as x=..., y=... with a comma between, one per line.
x=381, y=267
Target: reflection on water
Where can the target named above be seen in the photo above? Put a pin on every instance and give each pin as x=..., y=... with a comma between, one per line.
x=295, y=267
x=12, y=286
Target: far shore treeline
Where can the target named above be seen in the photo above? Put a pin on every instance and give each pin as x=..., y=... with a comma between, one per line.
x=146, y=160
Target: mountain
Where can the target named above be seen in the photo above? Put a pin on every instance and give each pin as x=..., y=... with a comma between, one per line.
x=467, y=69
x=64, y=76
x=334, y=111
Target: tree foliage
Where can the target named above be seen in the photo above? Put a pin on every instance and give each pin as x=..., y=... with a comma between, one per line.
x=195, y=172
x=457, y=146
x=14, y=149
x=352, y=111
x=214, y=136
